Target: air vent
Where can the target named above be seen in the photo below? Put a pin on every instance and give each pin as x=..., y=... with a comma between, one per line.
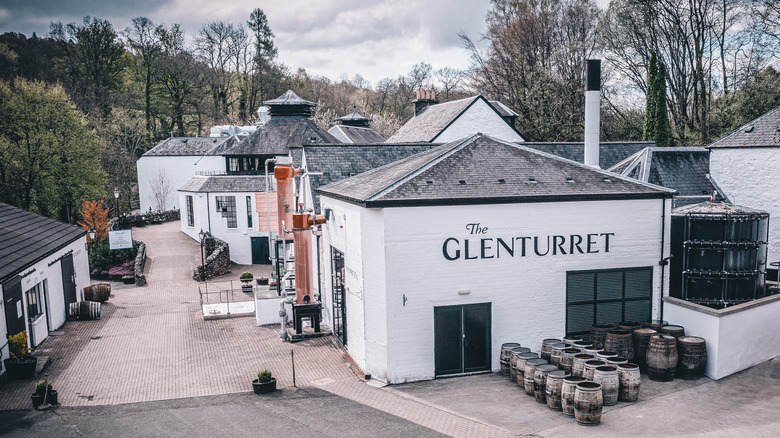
x=570, y=180
x=750, y=128
x=605, y=179
x=532, y=180
x=462, y=182
x=428, y=182
x=502, y=181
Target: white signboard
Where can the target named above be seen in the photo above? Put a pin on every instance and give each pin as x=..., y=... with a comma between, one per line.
x=120, y=239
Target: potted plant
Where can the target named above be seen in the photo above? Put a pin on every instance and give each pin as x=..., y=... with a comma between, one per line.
x=246, y=281
x=262, y=281
x=44, y=393
x=264, y=383
x=20, y=365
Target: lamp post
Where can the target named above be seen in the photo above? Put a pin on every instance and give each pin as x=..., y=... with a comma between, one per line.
x=91, y=233
x=202, y=236
x=116, y=201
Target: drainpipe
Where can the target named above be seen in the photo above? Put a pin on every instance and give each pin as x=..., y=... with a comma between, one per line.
x=664, y=260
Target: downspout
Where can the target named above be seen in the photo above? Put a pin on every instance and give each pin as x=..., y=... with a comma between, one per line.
x=663, y=261
x=208, y=211
x=268, y=207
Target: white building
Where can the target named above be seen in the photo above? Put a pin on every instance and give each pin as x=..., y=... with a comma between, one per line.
x=444, y=122
x=745, y=165
x=439, y=259
x=43, y=267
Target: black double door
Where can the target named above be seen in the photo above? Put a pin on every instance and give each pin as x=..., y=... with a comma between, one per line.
x=14, y=313
x=260, y=251
x=68, y=280
x=462, y=338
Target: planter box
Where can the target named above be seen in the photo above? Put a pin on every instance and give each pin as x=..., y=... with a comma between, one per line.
x=37, y=399
x=20, y=370
x=737, y=337
x=264, y=388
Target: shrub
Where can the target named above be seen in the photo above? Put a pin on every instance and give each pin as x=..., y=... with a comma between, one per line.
x=264, y=376
x=101, y=258
x=18, y=346
x=40, y=387
x=246, y=276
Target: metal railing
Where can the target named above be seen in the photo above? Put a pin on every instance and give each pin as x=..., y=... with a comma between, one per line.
x=228, y=297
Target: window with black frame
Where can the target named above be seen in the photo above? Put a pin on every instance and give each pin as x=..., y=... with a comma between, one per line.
x=34, y=298
x=226, y=206
x=190, y=213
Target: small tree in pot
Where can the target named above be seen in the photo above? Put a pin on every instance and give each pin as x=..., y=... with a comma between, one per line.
x=264, y=383
x=246, y=281
x=21, y=365
x=44, y=393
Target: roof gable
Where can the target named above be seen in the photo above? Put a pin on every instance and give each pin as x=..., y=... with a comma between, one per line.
x=184, y=146
x=481, y=169
x=610, y=153
x=26, y=238
x=761, y=132
x=355, y=134
x=280, y=134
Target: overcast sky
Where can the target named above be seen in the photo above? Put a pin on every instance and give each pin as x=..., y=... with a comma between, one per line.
x=377, y=39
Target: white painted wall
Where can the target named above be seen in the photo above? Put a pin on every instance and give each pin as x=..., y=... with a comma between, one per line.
x=480, y=117
x=207, y=218
x=737, y=338
x=179, y=170
x=749, y=177
x=401, y=253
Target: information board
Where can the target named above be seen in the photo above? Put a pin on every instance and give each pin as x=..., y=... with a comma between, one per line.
x=120, y=239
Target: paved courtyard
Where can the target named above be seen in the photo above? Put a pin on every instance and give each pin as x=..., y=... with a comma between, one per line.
x=153, y=345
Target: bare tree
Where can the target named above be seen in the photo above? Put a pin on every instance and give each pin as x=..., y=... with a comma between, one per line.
x=450, y=79
x=162, y=186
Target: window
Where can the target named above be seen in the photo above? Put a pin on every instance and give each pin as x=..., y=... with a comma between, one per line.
x=608, y=296
x=190, y=213
x=226, y=205
x=249, y=212
x=34, y=298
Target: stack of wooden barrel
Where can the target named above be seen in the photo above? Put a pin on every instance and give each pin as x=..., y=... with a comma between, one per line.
x=579, y=376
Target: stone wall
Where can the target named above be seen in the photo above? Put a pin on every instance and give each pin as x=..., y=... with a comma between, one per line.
x=217, y=259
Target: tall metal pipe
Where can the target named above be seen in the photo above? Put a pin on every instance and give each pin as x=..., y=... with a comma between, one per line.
x=304, y=273
x=592, y=110
x=285, y=191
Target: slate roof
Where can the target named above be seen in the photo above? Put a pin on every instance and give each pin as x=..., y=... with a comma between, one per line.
x=502, y=109
x=27, y=238
x=227, y=144
x=280, y=134
x=225, y=183
x=761, y=132
x=433, y=119
x=355, y=134
x=184, y=146
x=716, y=208
x=483, y=170
x=684, y=169
x=337, y=162
x=610, y=153
x=354, y=119
x=289, y=98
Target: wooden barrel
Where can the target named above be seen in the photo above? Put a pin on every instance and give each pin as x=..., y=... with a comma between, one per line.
x=547, y=348
x=97, y=292
x=691, y=357
x=615, y=361
x=591, y=350
x=605, y=354
x=555, y=355
x=528, y=374
x=662, y=358
x=607, y=376
x=656, y=324
x=567, y=394
x=641, y=342
x=540, y=382
x=578, y=366
x=673, y=330
x=567, y=358
x=629, y=325
x=570, y=340
x=621, y=342
x=85, y=310
x=520, y=365
x=598, y=332
x=630, y=381
x=590, y=368
x=506, y=349
x=553, y=389
x=582, y=344
x=513, y=360
x=588, y=403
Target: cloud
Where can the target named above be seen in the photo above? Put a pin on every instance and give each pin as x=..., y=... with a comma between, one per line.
x=377, y=39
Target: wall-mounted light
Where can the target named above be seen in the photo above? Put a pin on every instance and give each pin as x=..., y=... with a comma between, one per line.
x=464, y=291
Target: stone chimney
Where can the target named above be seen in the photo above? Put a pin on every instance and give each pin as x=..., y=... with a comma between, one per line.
x=592, y=110
x=424, y=99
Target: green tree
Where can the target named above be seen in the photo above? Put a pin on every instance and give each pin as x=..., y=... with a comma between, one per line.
x=49, y=159
x=650, y=99
x=661, y=134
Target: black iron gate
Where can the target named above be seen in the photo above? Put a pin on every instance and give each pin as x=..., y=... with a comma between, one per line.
x=338, y=296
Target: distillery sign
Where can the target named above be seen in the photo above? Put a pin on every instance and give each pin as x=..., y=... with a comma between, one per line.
x=478, y=245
